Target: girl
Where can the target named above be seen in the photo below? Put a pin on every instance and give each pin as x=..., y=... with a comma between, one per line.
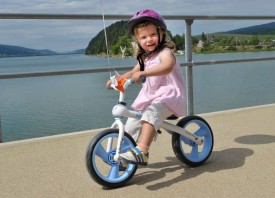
x=162, y=94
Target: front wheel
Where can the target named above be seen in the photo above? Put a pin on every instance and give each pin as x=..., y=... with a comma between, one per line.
x=100, y=159
x=188, y=151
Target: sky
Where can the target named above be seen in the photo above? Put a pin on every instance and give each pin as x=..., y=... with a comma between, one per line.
x=68, y=35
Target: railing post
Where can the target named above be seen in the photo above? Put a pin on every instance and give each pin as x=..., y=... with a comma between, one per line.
x=189, y=69
x=1, y=140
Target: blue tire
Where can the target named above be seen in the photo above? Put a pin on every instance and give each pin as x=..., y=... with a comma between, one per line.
x=100, y=163
x=188, y=151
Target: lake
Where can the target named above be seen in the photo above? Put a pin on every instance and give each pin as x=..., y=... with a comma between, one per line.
x=43, y=106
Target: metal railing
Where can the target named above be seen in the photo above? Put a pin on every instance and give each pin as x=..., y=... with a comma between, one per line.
x=126, y=17
x=1, y=139
x=188, y=44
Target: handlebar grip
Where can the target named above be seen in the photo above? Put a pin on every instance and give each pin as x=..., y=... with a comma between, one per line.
x=142, y=79
x=132, y=81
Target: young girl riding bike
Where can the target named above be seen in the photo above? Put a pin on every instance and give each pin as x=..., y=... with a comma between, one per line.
x=163, y=92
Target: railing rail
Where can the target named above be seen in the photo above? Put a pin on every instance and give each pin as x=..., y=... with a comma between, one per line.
x=107, y=69
x=125, y=17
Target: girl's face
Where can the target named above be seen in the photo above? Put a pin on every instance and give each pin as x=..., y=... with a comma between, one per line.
x=147, y=37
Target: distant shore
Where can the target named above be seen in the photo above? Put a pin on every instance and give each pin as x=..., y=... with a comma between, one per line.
x=119, y=56
x=235, y=51
x=194, y=51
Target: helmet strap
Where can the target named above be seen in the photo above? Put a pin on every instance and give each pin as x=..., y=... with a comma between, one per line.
x=140, y=60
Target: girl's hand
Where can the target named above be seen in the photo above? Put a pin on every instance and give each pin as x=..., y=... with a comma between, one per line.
x=137, y=75
x=108, y=84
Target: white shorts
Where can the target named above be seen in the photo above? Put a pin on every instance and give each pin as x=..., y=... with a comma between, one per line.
x=154, y=114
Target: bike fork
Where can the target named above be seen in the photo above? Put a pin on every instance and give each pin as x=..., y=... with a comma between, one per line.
x=118, y=123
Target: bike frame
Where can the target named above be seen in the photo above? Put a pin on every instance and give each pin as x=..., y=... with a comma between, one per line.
x=120, y=111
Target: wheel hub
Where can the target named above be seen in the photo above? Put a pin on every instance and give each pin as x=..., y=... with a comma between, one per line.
x=111, y=157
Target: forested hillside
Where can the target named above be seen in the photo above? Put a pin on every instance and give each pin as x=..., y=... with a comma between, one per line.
x=117, y=35
x=17, y=51
x=9, y=51
x=264, y=29
x=240, y=39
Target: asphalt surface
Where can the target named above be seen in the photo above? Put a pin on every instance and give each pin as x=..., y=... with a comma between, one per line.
x=241, y=164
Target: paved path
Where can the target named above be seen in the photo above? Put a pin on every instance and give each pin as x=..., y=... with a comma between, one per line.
x=241, y=165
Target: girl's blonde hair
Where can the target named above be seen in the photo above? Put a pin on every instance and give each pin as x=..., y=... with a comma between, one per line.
x=164, y=43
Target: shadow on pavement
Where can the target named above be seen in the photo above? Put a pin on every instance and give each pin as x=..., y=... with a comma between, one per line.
x=219, y=160
x=255, y=139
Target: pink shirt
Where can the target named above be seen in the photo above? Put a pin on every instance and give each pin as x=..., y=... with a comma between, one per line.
x=168, y=89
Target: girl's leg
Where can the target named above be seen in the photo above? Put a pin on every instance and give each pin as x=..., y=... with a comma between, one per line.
x=151, y=120
x=133, y=127
x=147, y=135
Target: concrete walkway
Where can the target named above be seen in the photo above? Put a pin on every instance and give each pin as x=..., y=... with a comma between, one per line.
x=241, y=165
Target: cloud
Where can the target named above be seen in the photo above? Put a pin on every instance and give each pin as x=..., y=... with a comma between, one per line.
x=63, y=35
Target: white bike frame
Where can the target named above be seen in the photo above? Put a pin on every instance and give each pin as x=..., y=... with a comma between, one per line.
x=120, y=111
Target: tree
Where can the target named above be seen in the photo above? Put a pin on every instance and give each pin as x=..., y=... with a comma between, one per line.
x=114, y=32
x=122, y=41
x=255, y=40
x=203, y=37
x=179, y=42
x=195, y=40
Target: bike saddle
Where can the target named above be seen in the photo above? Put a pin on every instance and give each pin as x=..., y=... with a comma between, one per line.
x=172, y=117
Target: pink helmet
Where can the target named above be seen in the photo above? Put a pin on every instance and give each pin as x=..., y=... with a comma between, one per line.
x=146, y=15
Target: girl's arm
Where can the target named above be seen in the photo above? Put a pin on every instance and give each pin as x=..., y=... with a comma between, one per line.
x=129, y=74
x=167, y=62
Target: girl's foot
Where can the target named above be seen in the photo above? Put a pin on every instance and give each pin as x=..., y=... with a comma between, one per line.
x=135, y=156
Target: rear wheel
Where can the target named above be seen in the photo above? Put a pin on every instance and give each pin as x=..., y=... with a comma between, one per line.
x=186, y=150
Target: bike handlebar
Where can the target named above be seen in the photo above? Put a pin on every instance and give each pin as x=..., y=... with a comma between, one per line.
x=142, y=79
x=123, y=83
x=120, y=84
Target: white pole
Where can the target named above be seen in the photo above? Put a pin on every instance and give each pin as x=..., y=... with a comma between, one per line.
x=1, y=140
x=189, y=69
